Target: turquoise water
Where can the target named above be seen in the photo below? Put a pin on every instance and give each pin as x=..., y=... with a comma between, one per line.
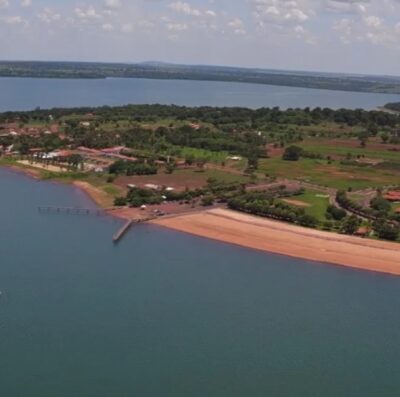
x=27, y=94
x=167, y=314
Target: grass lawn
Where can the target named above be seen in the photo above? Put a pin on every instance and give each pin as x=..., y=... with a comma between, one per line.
x=208, y=155
x=333, y=175
x=325, y=147
x=317, y=205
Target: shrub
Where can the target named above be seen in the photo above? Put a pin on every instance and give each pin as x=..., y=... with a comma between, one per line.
x=292, y=153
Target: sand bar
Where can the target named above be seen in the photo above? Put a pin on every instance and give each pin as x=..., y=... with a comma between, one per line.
x=281, y=238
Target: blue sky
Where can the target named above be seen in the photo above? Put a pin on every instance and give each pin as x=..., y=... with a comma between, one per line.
x=360, y=36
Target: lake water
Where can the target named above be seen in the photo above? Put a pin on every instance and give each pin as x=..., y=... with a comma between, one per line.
x=27, y=94
x=171, y=315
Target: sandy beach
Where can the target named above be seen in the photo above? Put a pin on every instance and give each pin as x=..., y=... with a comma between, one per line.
x=281, y=238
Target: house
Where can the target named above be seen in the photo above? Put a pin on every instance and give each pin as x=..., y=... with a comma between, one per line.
x=63, y=153
x=88, y=150
x=393, y=195
x=113, y=150
x=152, y=186
x=194, y=126
x=362, y=231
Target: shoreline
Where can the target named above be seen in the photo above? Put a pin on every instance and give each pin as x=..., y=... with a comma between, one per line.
x=96, y=195
x=266, y=235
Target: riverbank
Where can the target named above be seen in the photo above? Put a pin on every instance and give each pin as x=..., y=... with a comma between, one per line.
x=100, y=197
x=281, y=238
x=262, y=234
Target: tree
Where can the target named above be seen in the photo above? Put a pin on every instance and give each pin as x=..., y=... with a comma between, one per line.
x=189, y=159
x=170, y=167
x=363, y=138
x=386, y=231
x=252, y=161
x=308, y=220
x=380, y=204
x=200, y=162
x=120, y=201
x=336, y=213
x=208, y=200
x=292, y=153
x=350, y=224
x=385, y=137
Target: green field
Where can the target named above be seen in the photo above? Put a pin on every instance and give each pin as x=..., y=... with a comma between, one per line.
x=317, y=204
x=333, y=175
x=208, y=155
x=326, y=148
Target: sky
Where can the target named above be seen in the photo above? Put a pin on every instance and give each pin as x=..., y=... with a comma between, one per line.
x=354, y=36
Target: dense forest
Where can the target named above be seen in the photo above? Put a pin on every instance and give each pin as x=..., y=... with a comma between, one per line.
x=210, y=73
x=395, y=106
x=240, y=131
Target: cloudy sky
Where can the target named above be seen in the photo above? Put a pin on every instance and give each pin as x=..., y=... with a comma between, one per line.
x=360, y=36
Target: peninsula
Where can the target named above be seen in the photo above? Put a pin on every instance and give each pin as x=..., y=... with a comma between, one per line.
x=318, y=184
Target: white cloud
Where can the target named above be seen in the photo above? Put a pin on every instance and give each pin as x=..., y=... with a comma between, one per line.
x=108, y=27
x=237, y=25
x=127, y=28
x=85, y=14
x=342, y=32
x=373, y=21
x=281, y=12
x=347, y=6
x=112, y=4
x=48, y=15
x=14, y=20
x=177, y=27
x=211, y=13
x=185, y=8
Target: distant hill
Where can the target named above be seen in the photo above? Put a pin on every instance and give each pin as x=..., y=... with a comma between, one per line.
x=159, y=70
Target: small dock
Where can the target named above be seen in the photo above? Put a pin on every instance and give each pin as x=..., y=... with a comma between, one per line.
x=121, y=233
x=70, y=210
x=117, y=237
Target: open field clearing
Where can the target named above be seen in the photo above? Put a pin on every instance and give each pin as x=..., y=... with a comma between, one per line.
x=343, y=147
x=314, y=203
x=333, y=175
x=181, y=179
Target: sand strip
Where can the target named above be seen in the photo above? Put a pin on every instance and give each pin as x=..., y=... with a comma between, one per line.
x=281, y=238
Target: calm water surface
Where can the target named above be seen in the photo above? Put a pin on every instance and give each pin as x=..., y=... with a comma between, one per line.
x=27, y=94
x=167, y=314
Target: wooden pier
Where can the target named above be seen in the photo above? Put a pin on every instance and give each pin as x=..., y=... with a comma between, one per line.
x=122, y=231
x=70, y=210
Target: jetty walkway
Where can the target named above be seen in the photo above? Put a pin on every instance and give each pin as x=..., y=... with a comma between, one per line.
x=124, y=229
x=70, y=210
